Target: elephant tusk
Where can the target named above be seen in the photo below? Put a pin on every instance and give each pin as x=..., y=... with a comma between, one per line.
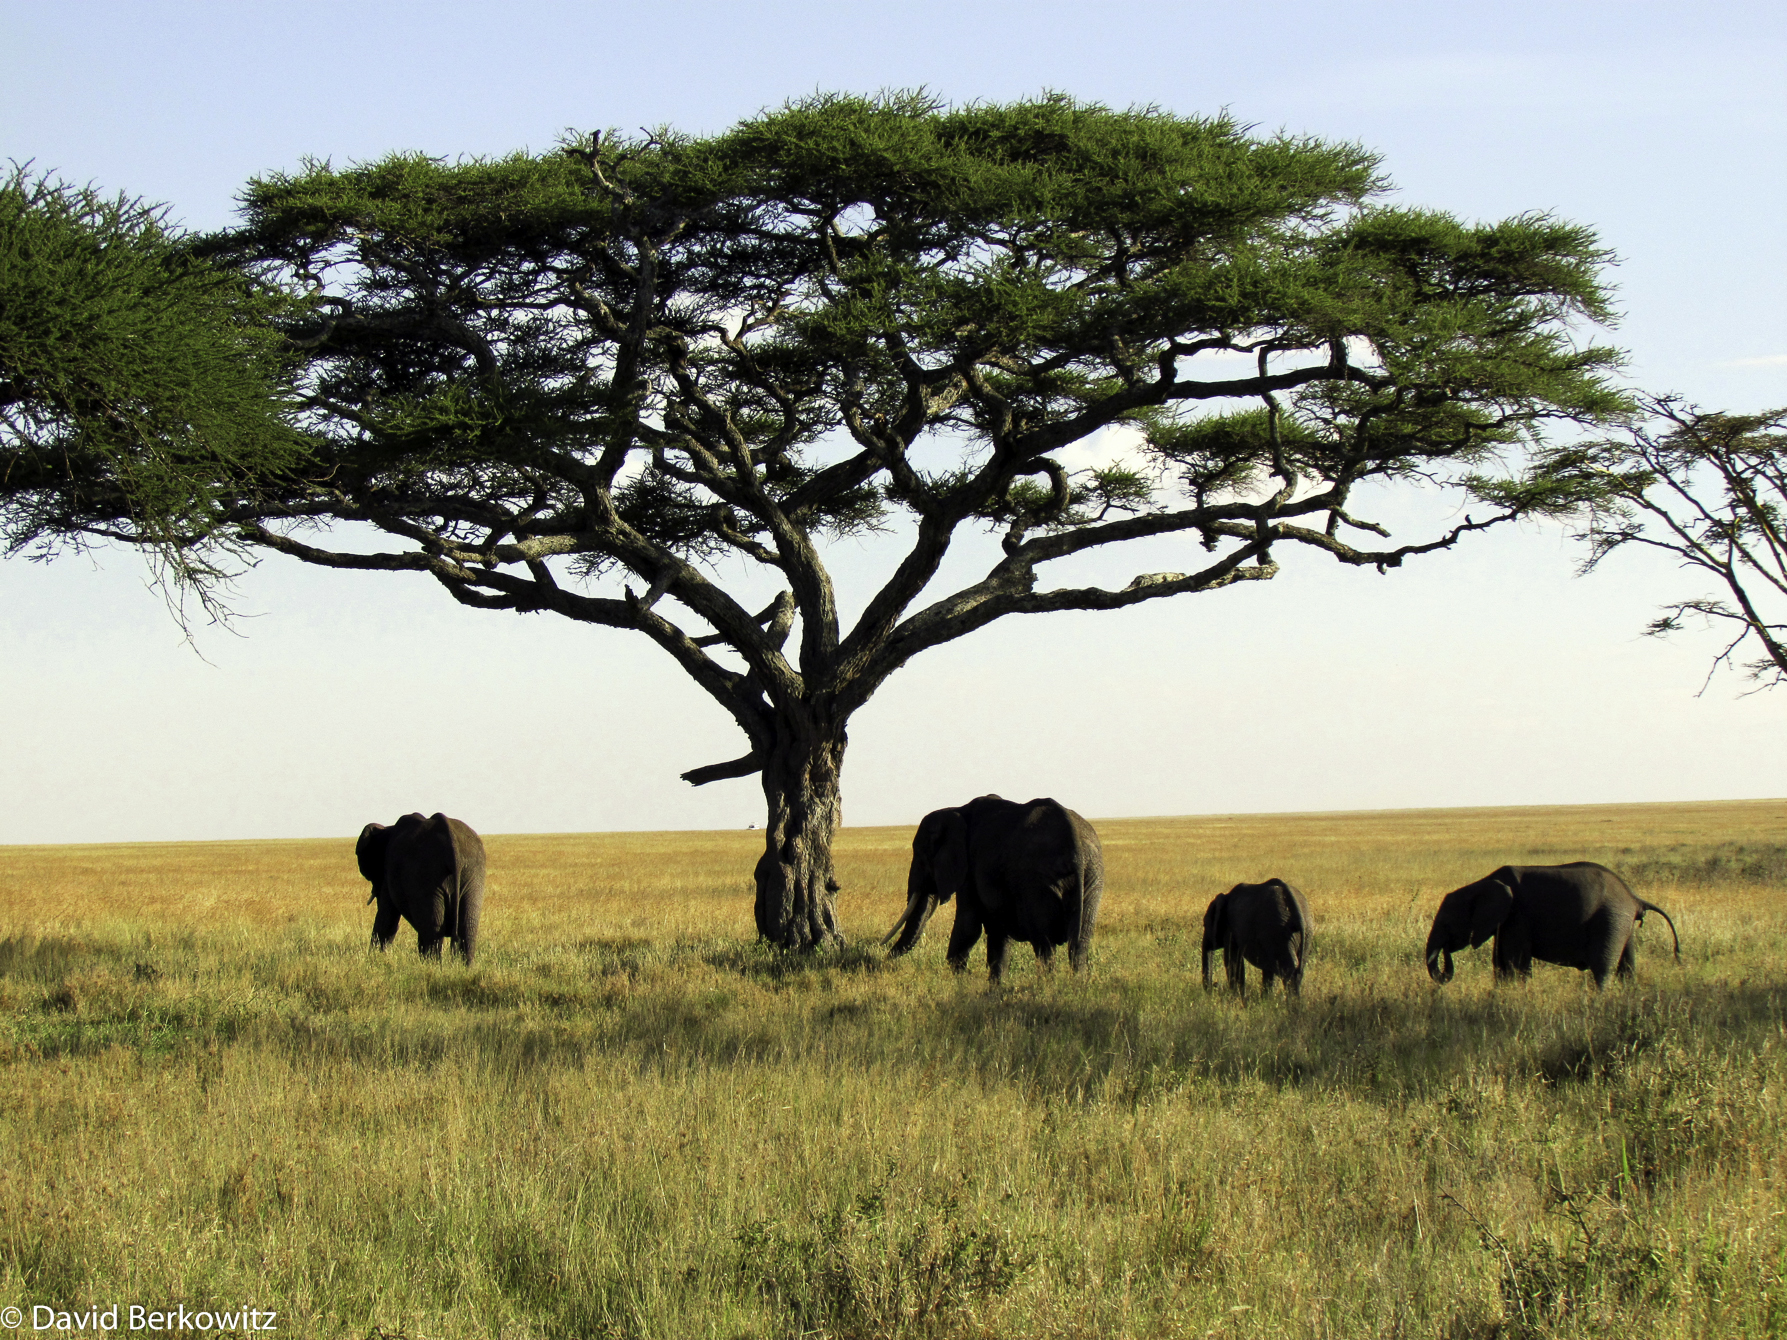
x=907, y=918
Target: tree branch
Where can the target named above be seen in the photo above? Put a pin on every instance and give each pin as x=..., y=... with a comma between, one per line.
x=715, y=772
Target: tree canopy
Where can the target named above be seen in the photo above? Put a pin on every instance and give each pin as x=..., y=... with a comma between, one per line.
x=572, y=382
x=138, y=383
x=1709, y=489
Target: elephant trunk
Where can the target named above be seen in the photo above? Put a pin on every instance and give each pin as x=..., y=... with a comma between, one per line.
x=1439, y=962
x=911, y=924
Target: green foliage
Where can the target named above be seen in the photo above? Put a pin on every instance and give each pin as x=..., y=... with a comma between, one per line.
x=1709, y=489
x=1015, y=276
x=650, y=349
x=139, y=386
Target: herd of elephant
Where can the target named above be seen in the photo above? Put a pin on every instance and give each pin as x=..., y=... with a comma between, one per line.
x=1034, y=873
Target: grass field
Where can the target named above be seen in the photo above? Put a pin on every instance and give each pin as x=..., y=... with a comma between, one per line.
x=629, y=1120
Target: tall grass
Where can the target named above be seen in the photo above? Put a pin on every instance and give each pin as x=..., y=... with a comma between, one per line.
x=628, y=1120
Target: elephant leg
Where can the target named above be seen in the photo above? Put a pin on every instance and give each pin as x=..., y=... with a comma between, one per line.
x=964, y=935
x=1236, y=963
x=431, y=926
x=384, y=927
x=1612, y=947
x=1045, y=954
x=470, y=908
x=1268, y=974
x=998, y=942
x=1292, y=973
x=1513, y=952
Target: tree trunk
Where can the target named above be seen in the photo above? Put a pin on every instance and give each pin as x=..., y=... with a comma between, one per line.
x=796, y=890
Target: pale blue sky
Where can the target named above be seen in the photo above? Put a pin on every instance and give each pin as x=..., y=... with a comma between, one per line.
x=1486, y=676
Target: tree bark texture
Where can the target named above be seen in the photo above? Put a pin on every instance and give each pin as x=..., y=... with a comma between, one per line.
x=796, y=888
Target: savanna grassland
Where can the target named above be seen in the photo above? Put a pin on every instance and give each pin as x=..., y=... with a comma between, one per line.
x=629, y=1120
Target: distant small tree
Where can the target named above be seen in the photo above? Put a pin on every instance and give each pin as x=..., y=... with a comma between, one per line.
x=138, y=383
x=1711, y=489
x=607, y=368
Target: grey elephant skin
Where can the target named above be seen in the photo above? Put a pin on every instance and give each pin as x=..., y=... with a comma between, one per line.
x=1032, y=872
x=430, y=873
x=1267, y=925
x=1580, y=915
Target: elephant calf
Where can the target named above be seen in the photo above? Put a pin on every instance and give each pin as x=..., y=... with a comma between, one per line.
x=1580, y=915
x=1266, y=925
x=429, y=872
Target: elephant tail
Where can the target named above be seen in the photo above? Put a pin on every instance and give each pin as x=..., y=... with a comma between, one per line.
x=456, y=914
x=459, y=878
x=1652, y=907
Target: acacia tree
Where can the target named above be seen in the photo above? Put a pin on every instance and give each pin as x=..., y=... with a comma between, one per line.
x=569, y=383
x=137, y=381
x=1710, y=489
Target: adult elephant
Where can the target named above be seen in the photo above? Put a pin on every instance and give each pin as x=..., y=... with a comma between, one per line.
x=1266, y=925
x=1580, y=915
x=1032, y=872
x=429, y=872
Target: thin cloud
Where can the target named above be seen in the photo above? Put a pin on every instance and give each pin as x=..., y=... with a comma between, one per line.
x=1766, y=361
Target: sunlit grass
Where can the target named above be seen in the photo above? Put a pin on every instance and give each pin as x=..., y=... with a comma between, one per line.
x=630, y=1120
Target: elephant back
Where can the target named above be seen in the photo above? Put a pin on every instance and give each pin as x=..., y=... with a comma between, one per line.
x=1038, y=841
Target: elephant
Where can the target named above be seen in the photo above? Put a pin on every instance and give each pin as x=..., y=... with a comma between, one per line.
x=1031, y=872
x=1579, y=915
x=1266, y=925
x=429, y=872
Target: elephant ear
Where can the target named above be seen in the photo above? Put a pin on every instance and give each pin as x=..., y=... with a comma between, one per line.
x=949, y=854
x=370, y=851
x=1215, y=916
x=1490, y=905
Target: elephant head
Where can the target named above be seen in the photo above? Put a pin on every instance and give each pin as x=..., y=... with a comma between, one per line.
x=371, y=851
x=1466, y=918
x=939, y=871
x=1216, y=933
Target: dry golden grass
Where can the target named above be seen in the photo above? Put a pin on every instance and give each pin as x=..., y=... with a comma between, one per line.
x=628, y=1120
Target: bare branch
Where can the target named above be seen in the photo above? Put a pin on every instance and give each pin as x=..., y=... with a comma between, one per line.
x=777, y=618
x=715, y=772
